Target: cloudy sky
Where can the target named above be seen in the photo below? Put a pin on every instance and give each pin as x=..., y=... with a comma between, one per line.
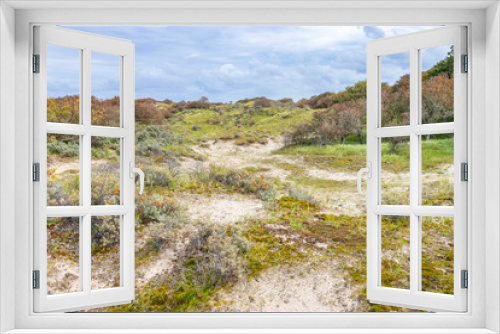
x=232, y=63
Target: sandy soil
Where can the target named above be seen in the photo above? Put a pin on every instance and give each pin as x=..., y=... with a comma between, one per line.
x=313, y=287
x=227, y=154
x=222, y=208
x=63, y=275
x=260, y=157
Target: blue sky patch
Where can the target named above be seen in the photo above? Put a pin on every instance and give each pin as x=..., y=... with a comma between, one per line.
x=230, y=63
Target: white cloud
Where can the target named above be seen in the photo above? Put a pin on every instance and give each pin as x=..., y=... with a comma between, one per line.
x=231, y=63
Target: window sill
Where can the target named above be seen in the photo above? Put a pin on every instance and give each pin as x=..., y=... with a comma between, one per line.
x=250, y=331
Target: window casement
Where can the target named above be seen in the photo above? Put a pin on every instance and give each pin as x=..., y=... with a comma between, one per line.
x=415, y=210
x=85, y=215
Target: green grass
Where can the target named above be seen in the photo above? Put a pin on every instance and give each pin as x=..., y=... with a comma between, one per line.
x=436, y=152
x=337, y=150
x=352, y=157
x=247, y=124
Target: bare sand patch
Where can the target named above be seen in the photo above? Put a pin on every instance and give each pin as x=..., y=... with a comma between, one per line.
x=222, y=208
x=328, y=175
x=303, y=288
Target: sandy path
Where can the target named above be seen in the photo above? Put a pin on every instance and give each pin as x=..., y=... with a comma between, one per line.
x=311, y=287
x=260, y=157
x=221, y=207
x=227, y=154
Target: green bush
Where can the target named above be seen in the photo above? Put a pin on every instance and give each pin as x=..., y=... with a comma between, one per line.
x=215, y=256
x=149, y=148
x=238, y=180
x=160, y=133
x=106, y=185
x=62, y=192
x=160, y=177
x=63, y=145
x=155, y=208
x=105, y=231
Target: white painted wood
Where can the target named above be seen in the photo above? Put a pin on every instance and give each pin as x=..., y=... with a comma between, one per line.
x=415, y=162
x=94, y=210
x=86, y=179
x=86, y=298
x=419, y=129
x=433, y=129
x=393, y=131
x=40, y=155
x=128, y=158
x=471, y=322
x=434, y=211
x=492, y=163
x=243, y=4
x=7, y=167
x=75, y=129
x=372, y=185
x=415, y=298
x=255, y=331
x=406, y=210
x=461, y=155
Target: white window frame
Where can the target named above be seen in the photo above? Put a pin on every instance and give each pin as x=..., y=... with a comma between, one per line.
x=484, y=103
x=413, y=43
x=86, y=44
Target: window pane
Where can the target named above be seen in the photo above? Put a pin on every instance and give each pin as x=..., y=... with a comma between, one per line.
x=105, y=252
x=395, y=172
x=105, y=171
x=63, y=255
x=395, y=89
x=395, y=254
x=438, y=170
x=437, y=84
x=437, y=254
x=63, y=170
x=105, y=89
x=63, y=84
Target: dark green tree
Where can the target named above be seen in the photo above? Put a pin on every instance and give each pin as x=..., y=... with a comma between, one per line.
x=444, y=67
x=351, y=93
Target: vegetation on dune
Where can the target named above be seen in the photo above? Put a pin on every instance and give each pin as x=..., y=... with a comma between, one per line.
x=234, y=181
x=325, y=133
x=246, y=249
x=213, y=256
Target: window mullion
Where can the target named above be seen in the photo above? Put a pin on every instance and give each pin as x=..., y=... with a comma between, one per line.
x=86, y=174
x=414, y=172
x=432, y=129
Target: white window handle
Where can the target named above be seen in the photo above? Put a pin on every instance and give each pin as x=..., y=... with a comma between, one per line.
x=134, y=170
x=368, y=171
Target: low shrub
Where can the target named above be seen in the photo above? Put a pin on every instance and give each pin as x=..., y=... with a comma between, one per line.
x=262, y=141
x=106, y=184
x=63, y=145
x=163, y=134
x=149, y=148
x=238, y=180
x=105, y=231
x=62, y=192
x=215, y=255
x=161, y=177
x=155, y=208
